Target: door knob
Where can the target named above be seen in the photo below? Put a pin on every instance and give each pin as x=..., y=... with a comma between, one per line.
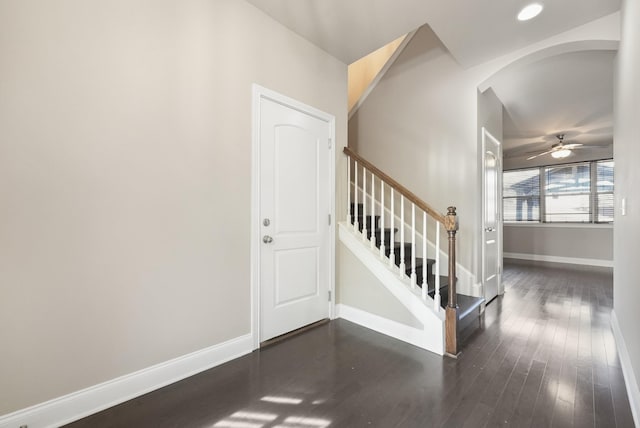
x=267, y=239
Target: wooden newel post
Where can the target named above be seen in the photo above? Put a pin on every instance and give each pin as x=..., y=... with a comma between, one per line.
x=451, y=311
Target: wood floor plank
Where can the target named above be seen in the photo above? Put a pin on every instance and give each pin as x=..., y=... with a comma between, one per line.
x=544, y=357
x=622, y=410
x=603, y=407
x=523, y=410
x=583, y=410
x=501, y=415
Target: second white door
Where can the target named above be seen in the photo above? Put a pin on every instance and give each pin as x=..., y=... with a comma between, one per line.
x=492, y=225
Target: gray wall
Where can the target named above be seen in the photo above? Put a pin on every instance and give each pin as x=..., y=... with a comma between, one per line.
x=419, y=125
x=626, y=240
x=583, y=242
x=125, y=178
x=577, y=241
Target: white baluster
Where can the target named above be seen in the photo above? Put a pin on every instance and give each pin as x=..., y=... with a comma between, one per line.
x=436, y=297
x=425, y=285
x=413, y=246
x=373, y=212
x=348, y=188
x=392, y=254
x=402, y=266
x=381, y=218
x=356, y=227
x=364, y=204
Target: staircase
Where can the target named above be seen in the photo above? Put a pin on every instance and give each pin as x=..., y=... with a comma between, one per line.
x=381, y=225
x=468, y=306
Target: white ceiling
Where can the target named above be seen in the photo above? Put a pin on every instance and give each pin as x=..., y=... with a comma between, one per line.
x=347, y=29
x=474, y=31
x=571, y=93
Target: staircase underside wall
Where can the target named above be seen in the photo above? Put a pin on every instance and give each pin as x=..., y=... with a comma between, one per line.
x=359, y=288
x=372, y=294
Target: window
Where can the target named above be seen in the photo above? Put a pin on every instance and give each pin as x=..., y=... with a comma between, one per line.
x=568, y=193
x=604, y=191
x=577, y=193
x=521, y=193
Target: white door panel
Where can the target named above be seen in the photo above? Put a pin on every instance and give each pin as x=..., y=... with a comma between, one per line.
x=294, y=207
x=296, y=180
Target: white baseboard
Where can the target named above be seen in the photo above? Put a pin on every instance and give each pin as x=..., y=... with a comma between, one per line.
x=79, y=404
x=558, y=259
x=415, y=336
x=633, y=391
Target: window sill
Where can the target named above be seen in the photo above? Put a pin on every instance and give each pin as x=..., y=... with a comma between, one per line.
x=562, y=225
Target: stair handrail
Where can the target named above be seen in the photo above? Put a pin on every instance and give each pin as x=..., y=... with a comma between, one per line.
x=450, y=223
x=399, y=187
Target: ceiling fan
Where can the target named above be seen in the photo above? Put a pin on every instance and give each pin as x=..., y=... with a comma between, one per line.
x=561, y=149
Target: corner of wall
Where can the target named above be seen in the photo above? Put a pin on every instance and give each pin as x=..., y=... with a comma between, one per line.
x=630, y=378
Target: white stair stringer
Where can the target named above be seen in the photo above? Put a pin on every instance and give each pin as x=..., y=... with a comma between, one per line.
x=422, y=309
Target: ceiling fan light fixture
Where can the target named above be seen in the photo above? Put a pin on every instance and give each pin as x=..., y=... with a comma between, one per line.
x=560, y=154
x=530, y=11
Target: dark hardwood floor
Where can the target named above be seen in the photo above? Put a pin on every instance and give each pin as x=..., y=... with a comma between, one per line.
x=545, y=357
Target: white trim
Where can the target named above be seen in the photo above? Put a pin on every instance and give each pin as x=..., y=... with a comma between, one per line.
x=254, y=265
x=476, y=289
x=560, y=225
x=79, y=404
x=559, y=259
x=405, y=333
x=633, y=391
x=382, y=72
x=260, y=93
x=486, y=134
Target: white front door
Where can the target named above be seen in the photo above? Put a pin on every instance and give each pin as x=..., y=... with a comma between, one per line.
x=295, y=204
x=492, y=214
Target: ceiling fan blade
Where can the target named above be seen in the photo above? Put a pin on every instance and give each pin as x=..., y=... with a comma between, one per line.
x=571, y=146
x=540, y=154
x=527, y=148
x=535, y=152
x=594, y=147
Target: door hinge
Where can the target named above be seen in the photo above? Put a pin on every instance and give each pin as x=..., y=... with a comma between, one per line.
x=329, y=219
x=329, y=293
x=329, y=142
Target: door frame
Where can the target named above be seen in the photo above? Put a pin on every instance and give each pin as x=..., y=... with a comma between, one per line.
x=258, y=94
x=486, y=134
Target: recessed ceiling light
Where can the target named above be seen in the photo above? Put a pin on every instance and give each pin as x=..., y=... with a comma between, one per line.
x=530, y=11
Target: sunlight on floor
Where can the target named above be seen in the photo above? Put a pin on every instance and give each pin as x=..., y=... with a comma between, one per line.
x=255, y=419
